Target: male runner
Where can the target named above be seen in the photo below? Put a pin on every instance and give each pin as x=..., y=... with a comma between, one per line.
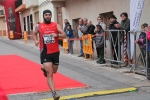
x=49, y=32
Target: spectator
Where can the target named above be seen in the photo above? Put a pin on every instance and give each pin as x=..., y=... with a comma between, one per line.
x=80, y=36
x=125, y=25
x=142, y=41
x=91, y=28
x=142, y=37
x=100, y=22
x=85, y=26
x=66, y=24
x=99, y=41
x=84, y=29
x=70, y=36
x=113, y=21
x=103, y=25
x=147, y=29
x=65, y=30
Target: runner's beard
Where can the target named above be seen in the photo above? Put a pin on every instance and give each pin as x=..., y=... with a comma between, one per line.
x=47, y=21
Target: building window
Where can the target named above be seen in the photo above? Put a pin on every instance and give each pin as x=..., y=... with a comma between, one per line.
x=31, y=22
x=18, y=3
x=24, y=21
x=1, y=12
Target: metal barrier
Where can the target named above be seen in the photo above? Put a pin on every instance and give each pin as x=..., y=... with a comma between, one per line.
x=115, y=48
x=140, y=67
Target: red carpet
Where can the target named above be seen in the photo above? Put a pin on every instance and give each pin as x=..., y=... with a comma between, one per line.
x=19, y=75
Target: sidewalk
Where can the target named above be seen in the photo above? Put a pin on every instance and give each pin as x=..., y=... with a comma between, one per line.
x=106, y=66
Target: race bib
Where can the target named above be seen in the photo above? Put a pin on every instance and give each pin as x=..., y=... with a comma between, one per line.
x=48, y=39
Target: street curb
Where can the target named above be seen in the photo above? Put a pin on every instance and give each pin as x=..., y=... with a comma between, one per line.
x=97, y=93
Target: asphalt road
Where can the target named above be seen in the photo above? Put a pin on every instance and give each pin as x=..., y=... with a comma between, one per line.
x=97, y=78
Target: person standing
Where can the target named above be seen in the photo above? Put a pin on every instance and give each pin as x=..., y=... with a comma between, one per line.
x=70, y=35
x=80, y=34
x=114, y=40
x=103, y=25
x=125, y=25
x=84, y=29
x=99, y=42
x=66, y=24
x=85, y=26
x=91, y=28
x=100, y=22
x=49, y=33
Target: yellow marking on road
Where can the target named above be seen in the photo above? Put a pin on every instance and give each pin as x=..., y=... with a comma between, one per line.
x=90, y=94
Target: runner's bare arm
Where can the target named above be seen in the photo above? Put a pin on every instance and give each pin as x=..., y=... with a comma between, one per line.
x=62, y=33
x=35, y=34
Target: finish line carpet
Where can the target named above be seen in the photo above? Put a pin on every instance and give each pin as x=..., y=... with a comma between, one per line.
x=19, y=75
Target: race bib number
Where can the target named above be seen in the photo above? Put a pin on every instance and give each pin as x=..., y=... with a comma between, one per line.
x=48, y=39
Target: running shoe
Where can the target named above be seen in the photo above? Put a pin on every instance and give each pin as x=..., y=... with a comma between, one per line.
x=55, y=96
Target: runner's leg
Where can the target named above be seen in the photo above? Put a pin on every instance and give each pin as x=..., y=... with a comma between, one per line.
x=55, y=68
x=49, y=69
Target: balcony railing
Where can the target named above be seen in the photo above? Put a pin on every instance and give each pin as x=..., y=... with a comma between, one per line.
x=31, y=3
x=22, y=5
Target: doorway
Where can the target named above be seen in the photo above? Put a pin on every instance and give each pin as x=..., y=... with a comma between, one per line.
x=75, y=23
x=59, y=16
x=36, y=17
x=105, y=17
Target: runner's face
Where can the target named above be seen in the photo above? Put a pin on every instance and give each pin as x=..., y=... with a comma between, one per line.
x=47, y=17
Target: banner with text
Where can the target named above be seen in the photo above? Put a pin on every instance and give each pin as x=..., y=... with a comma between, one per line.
x=136, y=7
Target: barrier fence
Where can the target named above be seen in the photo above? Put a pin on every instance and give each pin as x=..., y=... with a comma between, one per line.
x=120, y=49
x=25, y=35
x=141, y=63
x=116, y=47
x=3, y=33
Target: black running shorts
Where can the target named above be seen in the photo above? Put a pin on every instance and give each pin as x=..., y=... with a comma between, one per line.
x=54, y=58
